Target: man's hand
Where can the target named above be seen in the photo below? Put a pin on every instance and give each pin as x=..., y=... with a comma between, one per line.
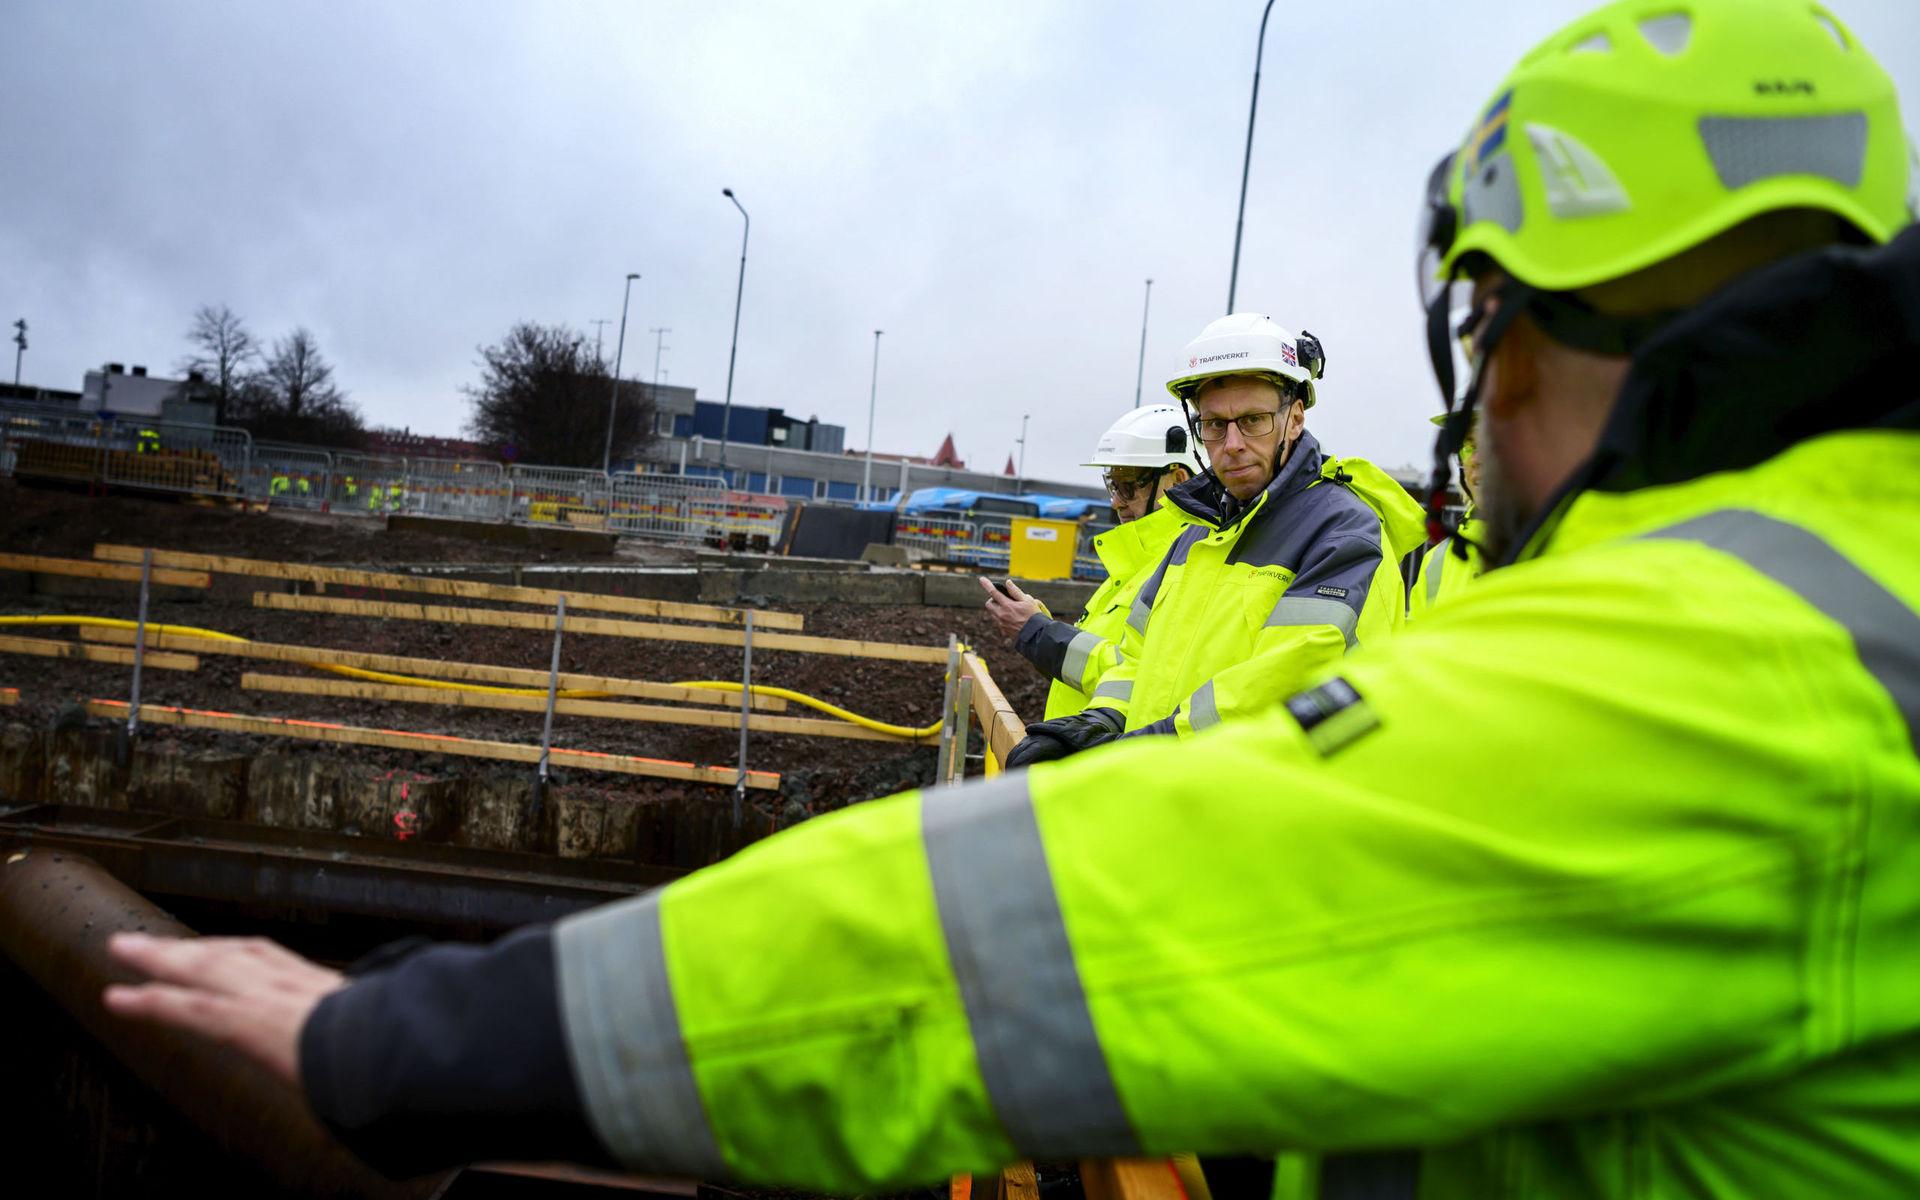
x=1049, y=740
x=248, y=993
x=1012, y=609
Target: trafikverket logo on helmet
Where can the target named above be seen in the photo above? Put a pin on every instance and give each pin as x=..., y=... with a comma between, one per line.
x=1213, y=358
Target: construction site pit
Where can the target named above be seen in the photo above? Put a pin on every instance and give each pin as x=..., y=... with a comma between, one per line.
x=339, y=849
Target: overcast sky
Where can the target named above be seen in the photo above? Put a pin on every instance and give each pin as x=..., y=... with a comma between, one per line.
x=989, y=182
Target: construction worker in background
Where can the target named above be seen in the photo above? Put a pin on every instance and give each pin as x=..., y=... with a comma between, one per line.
x=1601, y=881
x=147, y=442
x=1144, y=454
x=279, y=484
x=395, y=494
x=1455, y=560
x=376, y=496
x=351, y=489
x=1285, y=559
x=303, y=487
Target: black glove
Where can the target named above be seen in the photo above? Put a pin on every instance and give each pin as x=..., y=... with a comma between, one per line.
x=1048, y=740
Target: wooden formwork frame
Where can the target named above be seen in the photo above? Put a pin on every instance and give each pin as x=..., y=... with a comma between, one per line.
x=429, y=743
x=87, y=569
x=467, y=589
x=434, y=668
x=52, y=648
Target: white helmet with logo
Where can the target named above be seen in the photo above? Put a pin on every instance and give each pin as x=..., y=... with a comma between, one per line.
x=1154, y=436
x=1250, y=344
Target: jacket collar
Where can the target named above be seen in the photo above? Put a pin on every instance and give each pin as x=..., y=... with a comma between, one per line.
x=1814, y=344
x=1206, y=499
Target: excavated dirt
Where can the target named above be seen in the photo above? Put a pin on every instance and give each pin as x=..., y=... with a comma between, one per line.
x=818, y=773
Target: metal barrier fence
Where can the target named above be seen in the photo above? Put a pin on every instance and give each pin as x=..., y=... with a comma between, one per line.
x=447, y=487
x=943, y=537
x=557, y=496
x=54, y=445
x=369, y=484
x=991, y=546
x=667, y=507
x=288, y=477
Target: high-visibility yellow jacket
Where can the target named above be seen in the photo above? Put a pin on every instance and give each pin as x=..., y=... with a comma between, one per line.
x=1444, y=574
x=1249, y=604
x=1600, y=881
x=1075, y=654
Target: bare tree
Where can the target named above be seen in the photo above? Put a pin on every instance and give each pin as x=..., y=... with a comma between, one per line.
x=293, y=397
x=224, y=354
x=543, y=396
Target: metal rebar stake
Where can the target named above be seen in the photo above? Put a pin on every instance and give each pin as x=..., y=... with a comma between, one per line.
x=139, y=656
x=946, y=711
x=962, y=718
x=553, y=692
x=746, y=709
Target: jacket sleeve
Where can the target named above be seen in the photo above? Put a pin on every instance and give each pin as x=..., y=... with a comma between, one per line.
x=1346, y=589
x=1065, y=652
x=1337, y=924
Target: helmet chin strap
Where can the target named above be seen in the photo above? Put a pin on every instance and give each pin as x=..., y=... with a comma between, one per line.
x=1513, y=297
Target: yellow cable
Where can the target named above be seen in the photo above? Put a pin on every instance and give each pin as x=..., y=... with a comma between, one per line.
x=902, y=731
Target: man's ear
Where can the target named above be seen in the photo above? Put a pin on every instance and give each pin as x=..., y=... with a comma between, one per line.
x=1296, y=419
x=1180, y=475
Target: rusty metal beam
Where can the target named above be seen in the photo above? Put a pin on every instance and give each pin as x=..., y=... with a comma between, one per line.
x=56, y=912
x=234, y=862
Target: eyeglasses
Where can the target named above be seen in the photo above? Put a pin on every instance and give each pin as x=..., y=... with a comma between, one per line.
x=1123, y=487
x=1252, y=425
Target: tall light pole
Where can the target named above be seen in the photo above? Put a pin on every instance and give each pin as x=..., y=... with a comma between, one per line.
x=613, y=401
x=1141, y=372
x=873, y=393
x=659, y=344
x=599, y=326
x=1020, y=476
x=20, y=343
x=726, y=409
x=1246, y=164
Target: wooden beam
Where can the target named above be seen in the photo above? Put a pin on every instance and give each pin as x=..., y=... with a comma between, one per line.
x=1131, y=1179
x=1003, y=726
x=429, y=743
x=463, y=588
x=652, y=713
x=9, y=696
x=434, y=668
x=804, y=643
x=105, y=570
x=50, y=648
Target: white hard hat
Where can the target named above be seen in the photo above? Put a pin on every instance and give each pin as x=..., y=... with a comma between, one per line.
x=1250, y=344
x=1153, y=436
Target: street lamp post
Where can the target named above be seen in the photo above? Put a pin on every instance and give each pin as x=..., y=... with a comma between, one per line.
x=659, y=344
x=726, y=409
x=1141, y=371
x=873, y=393
x=1020, y=476
x=613, y=401
x=20, y=344
x=1246, y=163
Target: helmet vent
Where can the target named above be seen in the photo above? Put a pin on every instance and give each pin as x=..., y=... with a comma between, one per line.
x=1668, y=34
x=1746, y=150
x=1598, y=43
x=1832, y=27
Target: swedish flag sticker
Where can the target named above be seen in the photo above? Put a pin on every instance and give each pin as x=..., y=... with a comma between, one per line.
x=1491, y=133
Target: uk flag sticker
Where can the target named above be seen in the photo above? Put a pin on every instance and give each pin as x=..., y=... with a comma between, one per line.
x=1287, y=355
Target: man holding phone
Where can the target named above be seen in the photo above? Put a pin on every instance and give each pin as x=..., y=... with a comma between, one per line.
x=1141, y=457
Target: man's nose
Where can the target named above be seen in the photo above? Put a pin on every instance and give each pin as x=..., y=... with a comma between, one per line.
x=1233, y=441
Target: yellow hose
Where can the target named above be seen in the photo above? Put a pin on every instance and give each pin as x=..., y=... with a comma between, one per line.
x=903, y=731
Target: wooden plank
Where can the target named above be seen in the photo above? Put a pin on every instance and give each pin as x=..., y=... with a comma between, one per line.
x=1131, y=1179
x=434, y=668
x=51, y=648
x=1003, y=726
x=88, y=569
x=1018, y=1182
x=429, y=743
x=652, y=713
x=803, y=643
x=9, y=696
x=462, y=588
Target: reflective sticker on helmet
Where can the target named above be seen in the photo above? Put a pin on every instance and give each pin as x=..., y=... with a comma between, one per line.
x=1579, y=183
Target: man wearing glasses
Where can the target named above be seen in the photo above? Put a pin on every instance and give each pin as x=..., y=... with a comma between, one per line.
x=1286, y=558
x=1142, y=457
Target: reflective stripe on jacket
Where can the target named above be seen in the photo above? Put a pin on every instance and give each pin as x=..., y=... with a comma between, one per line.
x=1245, y=608
x=1444, y=574
x=1647, y=928
x=1076, y=654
